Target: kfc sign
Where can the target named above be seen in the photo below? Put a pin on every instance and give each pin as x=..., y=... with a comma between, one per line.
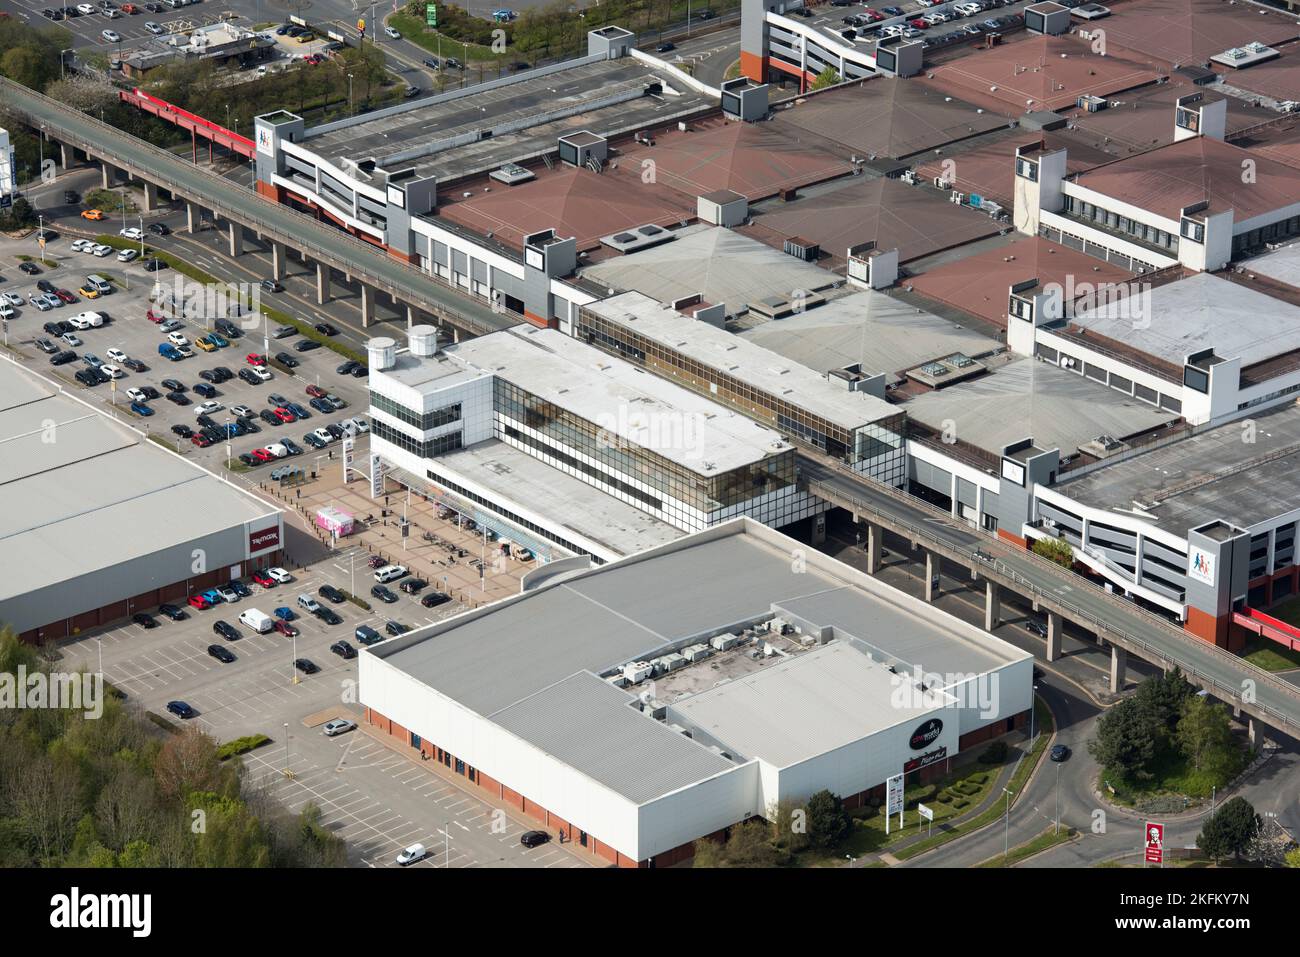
x=1155, y=843
x=264, y=538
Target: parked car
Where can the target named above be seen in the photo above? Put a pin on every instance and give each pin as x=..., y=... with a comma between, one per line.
x=534, y=838
x=343, y=650
x=221, y=653
x=332, y=594
x=226, y=630
x=144, y=620
x=410, y=855
x=339, y=726
x=1060, y=752
x=434, y=599
x=181, y=709
x=172, y=612
x=306, y=666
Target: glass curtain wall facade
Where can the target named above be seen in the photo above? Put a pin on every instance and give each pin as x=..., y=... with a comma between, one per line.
x=878, y=449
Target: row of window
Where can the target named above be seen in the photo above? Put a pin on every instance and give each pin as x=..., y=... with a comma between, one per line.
x=1121, y=224
x=425, y=450
x=422, y=421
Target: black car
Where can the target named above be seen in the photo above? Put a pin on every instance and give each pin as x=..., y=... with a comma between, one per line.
x=286, y=360
x=332, y=593
x=135, y=365
x=209, y=375
x=230, y=331
x=87, y=377
x=412, y=585
x=1060, y=752
x=434, y=599
x=325, y=329
x=178, y=398
x=335, y=430
x=384, y=594
x=63, y=358
x=221, y=653
x=71, y=196
x=159, y=229
x=328, y=615
x=226, y=631
x=173, y=385
x=223, y=374
x=154, y=265
x=181, y=709
x=144, y=619
x=431, y=63
x=173, y=612
x=360, y=372
x=306, y=666
x=395, y=628
x=30, y=268
x=368, y=636
x=666, y=48
x=242, y=590
x=150, y=393
x=343, y=650
x=52, y=328
x=451, y=63
x=181, y=429
x=291, y=446
x=249, y=376
x=347, y=367
x=45, y=285
x=306, y=345
x=248, y=460
x=206, y=422
x=534, y=838
x=205, y=390
x=269, y=417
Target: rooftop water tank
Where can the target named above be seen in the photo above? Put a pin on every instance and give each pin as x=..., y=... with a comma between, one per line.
x=423, y=340
x=382, y=353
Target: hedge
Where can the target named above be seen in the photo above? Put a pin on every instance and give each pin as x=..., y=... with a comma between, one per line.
x=359, y=602
x=162, y=722
x=241, y=746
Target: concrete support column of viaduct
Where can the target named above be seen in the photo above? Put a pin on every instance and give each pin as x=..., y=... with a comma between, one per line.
x=1053, y=636
x=277, y=260
x=367, y=304
x=931, y=575
x=236, y=240
x=1118, y=668
x=109, y=172
x=150, y=197
x=190, y=211
x=992, y=605
x=322, y=283
x=67, y=156
x=871, y=544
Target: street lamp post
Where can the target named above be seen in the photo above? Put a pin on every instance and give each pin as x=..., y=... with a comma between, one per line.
x=1032, y=703
x=1006, y=828
x=350, y=107
x=286, y=748
x=1058, y=799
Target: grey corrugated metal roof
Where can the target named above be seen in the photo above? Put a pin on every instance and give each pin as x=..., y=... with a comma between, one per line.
x=97, y=495
x=589, y=724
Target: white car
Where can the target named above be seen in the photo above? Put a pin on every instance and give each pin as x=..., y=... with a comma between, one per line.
x=128, y=255
x=7, y=311
x=111, y=36
x=280, y=575
x=87, y=320
x=85, y=9
x=207, y=408
x=82, y=245
x=100, y=250
x=112, y=371
x=12, y=298
x=136, y=395
x=355, y=426
x=261, y=373
x=177, y=339
x=131, y=232
x=241, y=411
x=410, y=855
x=116, y=355
x=392, y=33
x=968, y=9
x=278, y=450
x=184, y=351
x=153, y=27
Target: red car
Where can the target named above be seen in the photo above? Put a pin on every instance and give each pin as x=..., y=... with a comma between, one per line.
x=130, y=8
x=284, y=415
x=65, y=296
x=153, y=316
x=254, y=359
x=201, y=440
x=199, y=602
x=286, y=629
x=874, y=15
x=919, y=24
x=263, y=579
x=262, y=455
x=315, y=391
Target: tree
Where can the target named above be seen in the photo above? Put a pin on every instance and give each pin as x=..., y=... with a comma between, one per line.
x=828, y=822
x=709, y=853
x=1204, y=734
x=789, y=825
x=1124, y=743
x=1293, y=857
x=188, y=762
x=1161, y=699
x=748, y=845
x=826, y=78
x=1229, y=830
x=1056, y=550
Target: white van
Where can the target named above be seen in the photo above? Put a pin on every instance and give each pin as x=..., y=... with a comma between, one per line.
x=390, y=573
x=99, y=284
x=256, y=620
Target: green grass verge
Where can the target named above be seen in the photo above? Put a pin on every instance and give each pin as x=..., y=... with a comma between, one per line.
x=1041, y=843
x=1045, y=725
x=1173, y=775
x=198, y=275
x=109, y=201
x=241, y=746
x=418, y=33
x=359, y=602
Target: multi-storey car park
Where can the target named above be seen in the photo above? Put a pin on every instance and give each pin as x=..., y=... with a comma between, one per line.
x=692, y=687
x=100, y=523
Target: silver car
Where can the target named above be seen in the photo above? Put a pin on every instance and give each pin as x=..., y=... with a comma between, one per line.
x=339, y=726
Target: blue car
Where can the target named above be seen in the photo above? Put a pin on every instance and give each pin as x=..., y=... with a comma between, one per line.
x=181, y=709
x=297, y=410
x=213, y=596
x=139, y=408
x=320, y=405
x=168, y=351
x=217, y=340
x=285, y=614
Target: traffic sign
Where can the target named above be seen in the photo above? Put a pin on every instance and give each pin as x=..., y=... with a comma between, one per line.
x=431, y=14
